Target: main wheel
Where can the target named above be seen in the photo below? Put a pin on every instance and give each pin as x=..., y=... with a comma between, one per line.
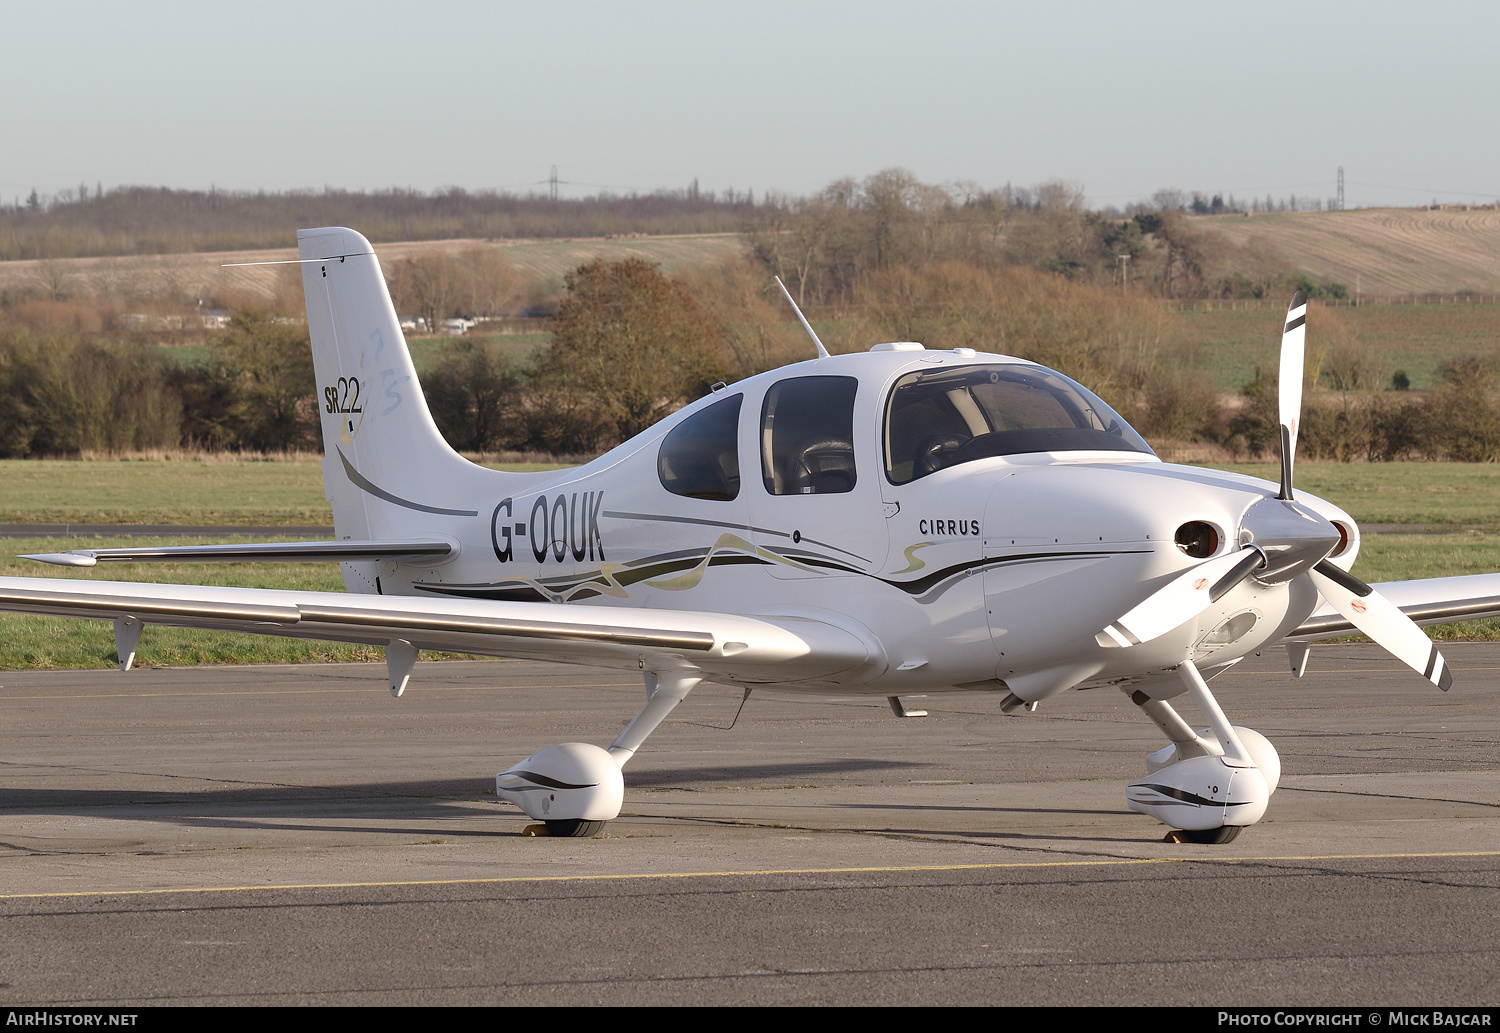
x=574, y=828
x=1216, y=837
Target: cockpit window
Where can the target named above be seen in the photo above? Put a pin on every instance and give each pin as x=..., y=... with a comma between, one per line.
x=943, y=417
x=700, y=456
x=807, y=436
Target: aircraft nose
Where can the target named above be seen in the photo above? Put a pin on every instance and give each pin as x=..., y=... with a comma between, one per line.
x=1293, y=537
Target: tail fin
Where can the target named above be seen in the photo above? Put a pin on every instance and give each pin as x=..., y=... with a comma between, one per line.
x=386, y=468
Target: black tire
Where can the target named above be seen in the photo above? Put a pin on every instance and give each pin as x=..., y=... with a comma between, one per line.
x=574, y=828
x=1214, y=837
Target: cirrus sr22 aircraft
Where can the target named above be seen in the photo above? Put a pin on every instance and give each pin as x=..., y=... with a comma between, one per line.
x=893, y=522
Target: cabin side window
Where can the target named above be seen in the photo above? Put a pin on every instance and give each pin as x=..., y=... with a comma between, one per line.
x=807, y=436
x=700, y=456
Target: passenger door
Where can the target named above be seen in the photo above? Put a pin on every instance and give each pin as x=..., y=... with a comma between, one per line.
x=814, y=481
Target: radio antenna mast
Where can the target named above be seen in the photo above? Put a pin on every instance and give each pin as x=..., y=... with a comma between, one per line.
x=822, y=351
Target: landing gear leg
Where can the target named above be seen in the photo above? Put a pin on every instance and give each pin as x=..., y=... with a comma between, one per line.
x=574, y=788
x=664, y=690
x=1185, y=742
x=1207, y=788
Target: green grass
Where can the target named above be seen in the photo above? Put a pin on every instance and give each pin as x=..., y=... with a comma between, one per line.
x=1403, y=557
x=1416, y=338
x=185, y=356
x=57, y=642
x=1231, y=343
x=211, y=491
x=1432, y=494
x=515, y=349
x=1445, y=495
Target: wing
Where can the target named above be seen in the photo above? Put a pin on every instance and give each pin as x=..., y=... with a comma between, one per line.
x=1439, y=600
x=748, y=649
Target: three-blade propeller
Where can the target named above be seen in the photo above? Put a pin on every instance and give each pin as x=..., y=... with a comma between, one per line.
x=1380, y=619
x=1182, y=599
x=1192, y=592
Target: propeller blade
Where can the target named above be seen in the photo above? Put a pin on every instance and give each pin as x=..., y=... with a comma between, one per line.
x=1293, y=348
x=1182, y=599
x=1380, y=619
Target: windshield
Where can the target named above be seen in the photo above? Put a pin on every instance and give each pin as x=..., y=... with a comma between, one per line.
x=946, y=416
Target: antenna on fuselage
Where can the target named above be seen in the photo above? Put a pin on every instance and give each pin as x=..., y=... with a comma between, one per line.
x=822, y=351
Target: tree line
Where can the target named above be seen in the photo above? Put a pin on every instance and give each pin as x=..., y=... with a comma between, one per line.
x=825, y=244
x=1030, y=272
x=630, y=344
x=68, y=393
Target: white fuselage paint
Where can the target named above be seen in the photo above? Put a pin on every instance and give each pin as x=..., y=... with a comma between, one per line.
x=991, y=570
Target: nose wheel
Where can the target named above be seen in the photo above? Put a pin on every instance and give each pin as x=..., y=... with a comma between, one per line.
x=573, y=788
x=1214, y=837
x=1204, y=789
x=572, y=828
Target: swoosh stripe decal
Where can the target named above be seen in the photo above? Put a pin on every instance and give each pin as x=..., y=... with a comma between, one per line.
x=650, y=567
x=1183, y=796
x=380, y=493
x=545, y=780
x=723, y=523
x=921, y=585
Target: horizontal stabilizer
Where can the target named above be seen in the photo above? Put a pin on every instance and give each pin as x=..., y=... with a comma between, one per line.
x=264, y=552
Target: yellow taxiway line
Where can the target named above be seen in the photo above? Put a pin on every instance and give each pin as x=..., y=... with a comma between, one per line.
x=752, y=872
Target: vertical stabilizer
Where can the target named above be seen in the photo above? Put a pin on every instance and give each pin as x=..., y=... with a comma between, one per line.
x=386, y=468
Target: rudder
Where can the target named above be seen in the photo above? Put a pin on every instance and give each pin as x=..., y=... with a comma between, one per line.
x=387, y=470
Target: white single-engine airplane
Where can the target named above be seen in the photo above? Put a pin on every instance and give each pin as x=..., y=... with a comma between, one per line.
x=893, y=522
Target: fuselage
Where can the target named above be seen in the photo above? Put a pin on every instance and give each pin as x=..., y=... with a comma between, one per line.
x=977, y=518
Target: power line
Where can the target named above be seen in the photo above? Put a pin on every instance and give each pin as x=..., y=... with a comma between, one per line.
x=1429, y=190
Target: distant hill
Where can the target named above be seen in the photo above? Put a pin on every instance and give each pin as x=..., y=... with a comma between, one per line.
x=136, y=220
x=201, y=274
x=1388, y=250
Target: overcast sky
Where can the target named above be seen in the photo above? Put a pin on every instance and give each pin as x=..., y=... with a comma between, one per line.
x=1122, y=98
